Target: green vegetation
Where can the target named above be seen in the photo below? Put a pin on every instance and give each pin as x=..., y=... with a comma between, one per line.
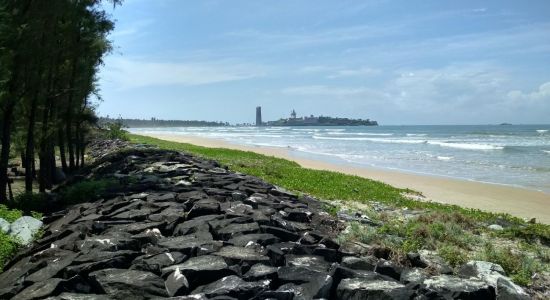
x=456, y=233
x=86, y=191
x=115, y=130
x=8, y=245
x=29, y=202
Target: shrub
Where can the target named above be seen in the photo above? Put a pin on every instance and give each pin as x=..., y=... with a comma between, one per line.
x=29, y=202
x=453, y=254
x=115, y=131
x=9, y=215
x=86, y=191
x=8, y=247
x=519, y=266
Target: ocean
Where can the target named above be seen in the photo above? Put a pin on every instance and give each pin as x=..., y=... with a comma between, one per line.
x=517, y=155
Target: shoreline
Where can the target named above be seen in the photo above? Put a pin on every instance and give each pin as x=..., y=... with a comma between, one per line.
x=516, y=201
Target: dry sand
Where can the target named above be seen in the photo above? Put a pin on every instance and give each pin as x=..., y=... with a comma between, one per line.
x=519, y=202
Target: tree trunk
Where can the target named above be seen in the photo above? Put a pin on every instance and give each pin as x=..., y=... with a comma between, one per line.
x=29, y=149
x=63, y=157
x=5, y=152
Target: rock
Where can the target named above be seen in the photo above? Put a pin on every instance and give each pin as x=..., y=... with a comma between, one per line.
x=240, y=254
x=176, y=284
x=237, y=229
x=361, y=288
x=495, y=227
x=494, y=275
x=201, y=269
x=389, y=268
x=460, y=288
x=312, y=262
x=233, y=286
x=415, y=276
x=260, y=271
x=41, y=289
x=4, y=226
x=263, y=239
x=367, y=263
x=55, y=260
x=204, y=207
x=25, y=228
x=129, y=284
x=425, y=258
x=297, y=214
x=156, y=262
x=507, y=290
x=74, y=296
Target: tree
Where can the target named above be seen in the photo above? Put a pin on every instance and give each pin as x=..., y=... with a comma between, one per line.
x=50, y=53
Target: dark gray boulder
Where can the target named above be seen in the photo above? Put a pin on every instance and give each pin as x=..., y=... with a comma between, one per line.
x=460, y=288
x=260, y=271
x=156, y=262
x=259, y=238
x=233, y=286
x=41, y=289
x=389, y=268
x=361, y=288
x=128, y=284
x=201, y=269
x=367, y=263
x=241, y=254
x=204, y=207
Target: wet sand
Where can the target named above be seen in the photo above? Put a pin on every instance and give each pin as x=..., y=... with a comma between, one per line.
x=523, y=203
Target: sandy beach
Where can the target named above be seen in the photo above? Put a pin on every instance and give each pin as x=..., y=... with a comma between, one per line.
x=519, y=202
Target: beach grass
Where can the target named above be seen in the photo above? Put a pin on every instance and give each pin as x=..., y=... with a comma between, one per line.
x=458, y=234
x=328, y=185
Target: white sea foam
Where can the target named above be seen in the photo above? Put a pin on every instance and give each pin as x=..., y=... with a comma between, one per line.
x=541, y=131
x=466, y=146
x=359, y=133
x=377, y=140
x=546, y=151
x=444, y=158
x=417, y=134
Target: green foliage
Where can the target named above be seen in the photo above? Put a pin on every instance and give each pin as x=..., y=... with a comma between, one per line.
x=8, y=248
x=517, y=264
x=454, y=255
x=331, y=209
x=86, y=191
x=9, y=215
x=29, y=202
x=8, y=245
x=529, y=232
x=115, y=130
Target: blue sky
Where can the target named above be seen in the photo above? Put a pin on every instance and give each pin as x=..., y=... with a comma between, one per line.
x=399, y=62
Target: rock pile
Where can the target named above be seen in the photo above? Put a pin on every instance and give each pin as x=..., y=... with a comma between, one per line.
x=187, y=228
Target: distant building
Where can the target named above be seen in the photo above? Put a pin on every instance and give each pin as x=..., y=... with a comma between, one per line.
x=259, y=116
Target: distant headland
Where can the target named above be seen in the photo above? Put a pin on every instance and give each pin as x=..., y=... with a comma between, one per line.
x=312, y=120
x=154, y=122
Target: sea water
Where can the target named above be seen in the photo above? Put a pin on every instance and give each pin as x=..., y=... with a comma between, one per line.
x=517, y=155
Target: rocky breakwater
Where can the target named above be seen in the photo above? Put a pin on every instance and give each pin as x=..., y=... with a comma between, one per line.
x=181, y=227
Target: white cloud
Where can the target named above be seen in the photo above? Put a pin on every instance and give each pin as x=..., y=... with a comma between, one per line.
x=541, y=95
x=327, y=91
x=359, y=72
x=126, y=73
